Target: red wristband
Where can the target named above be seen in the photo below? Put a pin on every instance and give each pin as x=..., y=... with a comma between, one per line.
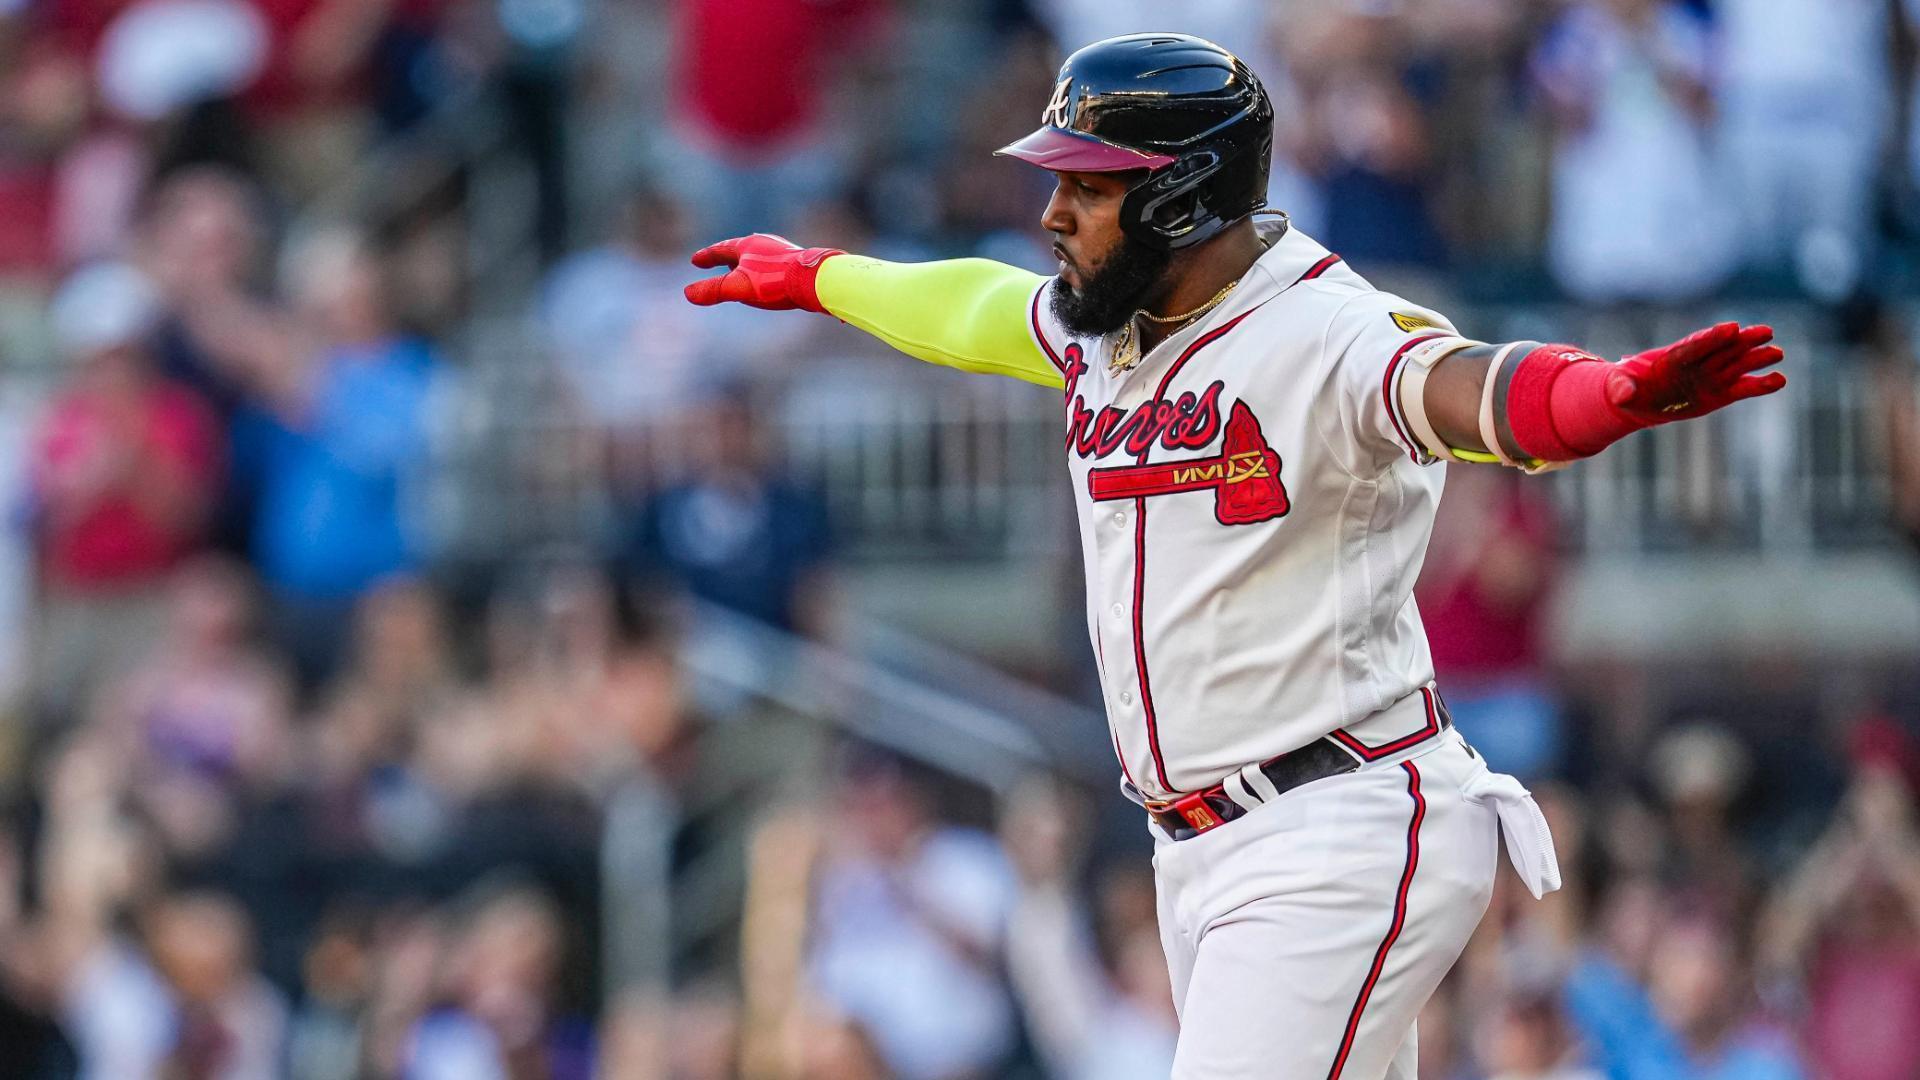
x=1557, y=405
x=803, y=275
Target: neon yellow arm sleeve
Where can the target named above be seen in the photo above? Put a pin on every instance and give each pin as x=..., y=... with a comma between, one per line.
x=969, y=314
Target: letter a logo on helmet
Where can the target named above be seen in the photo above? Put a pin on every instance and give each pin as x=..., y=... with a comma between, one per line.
x=1187, y=113
x=1057, y=109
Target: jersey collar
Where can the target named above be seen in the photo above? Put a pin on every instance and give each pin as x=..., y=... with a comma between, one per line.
x=1291, y=255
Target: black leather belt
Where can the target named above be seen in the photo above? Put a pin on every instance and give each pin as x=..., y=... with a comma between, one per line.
x=1200, y=811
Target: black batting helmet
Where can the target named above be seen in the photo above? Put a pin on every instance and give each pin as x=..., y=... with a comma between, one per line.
x=1181, y=107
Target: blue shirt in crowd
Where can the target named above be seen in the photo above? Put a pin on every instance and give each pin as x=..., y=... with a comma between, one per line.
x=748, y=547
x=327, y=515
x=1628, y=1040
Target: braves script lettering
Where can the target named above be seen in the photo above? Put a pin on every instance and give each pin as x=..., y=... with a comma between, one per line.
x=1188, y=422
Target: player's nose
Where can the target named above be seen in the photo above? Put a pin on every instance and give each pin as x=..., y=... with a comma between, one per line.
x=1058, y=216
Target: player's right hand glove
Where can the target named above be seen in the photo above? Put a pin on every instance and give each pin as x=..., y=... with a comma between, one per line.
x=1565, y=403
x=765, y=271
x=1701, y=373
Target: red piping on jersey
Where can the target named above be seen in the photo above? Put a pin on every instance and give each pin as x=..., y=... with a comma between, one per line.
x=1140, y=553
x=1033, y=316
x=1140, y=637
x=1393, y=930
x=1375, y=753
x=1387, y=395
x=1318, y=268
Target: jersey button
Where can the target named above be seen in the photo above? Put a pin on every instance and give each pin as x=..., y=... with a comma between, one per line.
x=1118, y=611
x=1120, y=518
x=1126, y=697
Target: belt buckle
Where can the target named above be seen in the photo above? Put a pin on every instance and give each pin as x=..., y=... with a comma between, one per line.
x=1192, y=808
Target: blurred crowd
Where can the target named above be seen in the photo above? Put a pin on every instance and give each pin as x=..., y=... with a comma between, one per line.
x=287, y=789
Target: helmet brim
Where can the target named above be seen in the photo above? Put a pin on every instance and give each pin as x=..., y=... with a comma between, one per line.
x=1072, y=151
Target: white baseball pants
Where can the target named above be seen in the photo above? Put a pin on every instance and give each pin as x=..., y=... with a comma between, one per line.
x=1304, y=937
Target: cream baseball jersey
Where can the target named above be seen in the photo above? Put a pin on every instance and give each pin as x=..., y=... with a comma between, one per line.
x=1253, y=513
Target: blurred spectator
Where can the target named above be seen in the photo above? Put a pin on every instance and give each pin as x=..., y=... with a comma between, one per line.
x=1700, y=772
x=381, y=744
x=124, y=470
x=164, y=75
x=733, y=531
x=1638, y=208
x=581, y=692
x=203, y=721
x=1845, y=927
x=43, y=109
x=908, y=919
x=1696, y=1017
x=1483, y=594
x=402, y=657
x=1526, y=1037
x=1363, y=135
x=36, y=1047
x=988, y=200
x=325, y=1035
x=310, y=100
x=341, y=413
x=632, y=349
x=1091, y=1020
x=180, y=999
x=1466, y=54
x=502, y=1018
x=752, y=99
x=1805, y=136
x=201, y=239
x=228, y=1022
x=368, y=979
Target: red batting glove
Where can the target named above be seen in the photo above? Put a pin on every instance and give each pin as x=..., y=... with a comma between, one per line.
x=1704, y=371
x=766, y=271
x=1564, y=403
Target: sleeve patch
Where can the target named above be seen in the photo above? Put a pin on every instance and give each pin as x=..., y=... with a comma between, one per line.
x=1410, y=323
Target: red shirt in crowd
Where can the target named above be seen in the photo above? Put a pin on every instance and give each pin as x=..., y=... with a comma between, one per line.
x=752, y=71
x=122, y=485
x=1484, y=594
x=1865, y=999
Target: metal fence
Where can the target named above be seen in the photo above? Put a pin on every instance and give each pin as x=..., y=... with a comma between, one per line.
x=915, y=461
x=1808, y=469
x=919, y=462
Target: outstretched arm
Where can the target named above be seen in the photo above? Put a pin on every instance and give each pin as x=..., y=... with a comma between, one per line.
x=1557, y=403
x=970, y=314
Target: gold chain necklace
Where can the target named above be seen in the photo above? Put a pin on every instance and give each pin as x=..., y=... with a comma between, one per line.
x=1126, y=348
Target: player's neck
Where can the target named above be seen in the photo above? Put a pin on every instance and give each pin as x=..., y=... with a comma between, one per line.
x=1197, y=276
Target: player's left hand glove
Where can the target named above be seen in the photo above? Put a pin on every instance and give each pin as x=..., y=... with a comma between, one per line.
x=1704, y=371
x=766, y=271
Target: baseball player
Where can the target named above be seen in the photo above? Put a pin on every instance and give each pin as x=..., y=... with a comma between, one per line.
x=1251, y=430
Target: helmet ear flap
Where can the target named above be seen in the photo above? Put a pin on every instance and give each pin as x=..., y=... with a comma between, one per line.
x=1165, y=208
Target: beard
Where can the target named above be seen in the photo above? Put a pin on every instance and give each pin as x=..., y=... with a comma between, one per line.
x=1112, y=291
